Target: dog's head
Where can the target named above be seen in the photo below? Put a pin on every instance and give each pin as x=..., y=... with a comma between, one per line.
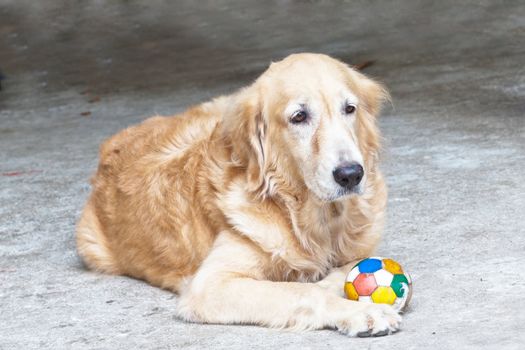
x=308, y=121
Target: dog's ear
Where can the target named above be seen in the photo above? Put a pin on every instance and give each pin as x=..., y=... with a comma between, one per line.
x=246, y=128
x=371, y=93
x=372, y=96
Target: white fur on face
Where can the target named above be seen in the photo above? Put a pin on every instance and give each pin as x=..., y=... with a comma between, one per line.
x=337, y=142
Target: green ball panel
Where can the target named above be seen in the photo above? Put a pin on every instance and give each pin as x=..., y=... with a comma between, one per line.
x=397, y=284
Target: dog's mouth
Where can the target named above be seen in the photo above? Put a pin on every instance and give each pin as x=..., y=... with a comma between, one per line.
x=341, y=194
x=330, y=191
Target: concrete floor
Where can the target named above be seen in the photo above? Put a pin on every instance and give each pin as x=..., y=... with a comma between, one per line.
x=78, y=71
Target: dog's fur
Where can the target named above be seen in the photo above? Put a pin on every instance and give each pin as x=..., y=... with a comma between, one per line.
x=236, y=209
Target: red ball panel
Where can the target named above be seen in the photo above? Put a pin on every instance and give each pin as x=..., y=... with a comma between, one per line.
x=365, y=284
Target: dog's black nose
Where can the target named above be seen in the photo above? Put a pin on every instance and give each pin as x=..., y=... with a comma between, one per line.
x=348, y=175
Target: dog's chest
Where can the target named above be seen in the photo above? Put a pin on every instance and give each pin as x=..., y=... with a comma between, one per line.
x=312, y=249
x=329, y=237
x=301, y=244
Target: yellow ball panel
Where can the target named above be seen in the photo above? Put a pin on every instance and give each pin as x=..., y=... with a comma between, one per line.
x=384, y=295
x=350, y=291
x=391, y=266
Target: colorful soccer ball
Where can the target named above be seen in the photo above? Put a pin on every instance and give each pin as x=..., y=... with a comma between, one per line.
x=379, y=280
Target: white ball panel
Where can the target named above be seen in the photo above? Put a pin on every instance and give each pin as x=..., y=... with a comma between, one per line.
x=383, y=278
x=352, y=275
x=365, y=299
x=376, y=257
x=399, y=303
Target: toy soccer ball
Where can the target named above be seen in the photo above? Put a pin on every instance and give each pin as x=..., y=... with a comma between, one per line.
x=379, y=280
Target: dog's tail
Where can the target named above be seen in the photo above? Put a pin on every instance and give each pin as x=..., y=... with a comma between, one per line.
x=92, y=245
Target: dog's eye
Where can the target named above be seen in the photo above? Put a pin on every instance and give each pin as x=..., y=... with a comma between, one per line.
x=299, y=117
x=350, y=108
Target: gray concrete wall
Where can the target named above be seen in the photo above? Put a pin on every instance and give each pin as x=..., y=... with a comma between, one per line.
x=78, y=71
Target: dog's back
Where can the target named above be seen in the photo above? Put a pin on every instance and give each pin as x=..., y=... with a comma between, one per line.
x=145, y=183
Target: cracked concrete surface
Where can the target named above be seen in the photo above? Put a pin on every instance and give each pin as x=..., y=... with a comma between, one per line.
x=78, y=71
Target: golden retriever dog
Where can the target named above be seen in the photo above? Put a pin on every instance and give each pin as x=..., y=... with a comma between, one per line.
x=252, y=207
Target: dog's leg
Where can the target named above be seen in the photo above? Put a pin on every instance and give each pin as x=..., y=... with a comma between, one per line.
x=335, y=280
x=230, y=288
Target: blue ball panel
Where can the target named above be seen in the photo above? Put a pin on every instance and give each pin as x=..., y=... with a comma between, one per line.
x=370, y=265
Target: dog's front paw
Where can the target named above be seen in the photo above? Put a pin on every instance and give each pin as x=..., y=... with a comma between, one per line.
x=365, y=320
